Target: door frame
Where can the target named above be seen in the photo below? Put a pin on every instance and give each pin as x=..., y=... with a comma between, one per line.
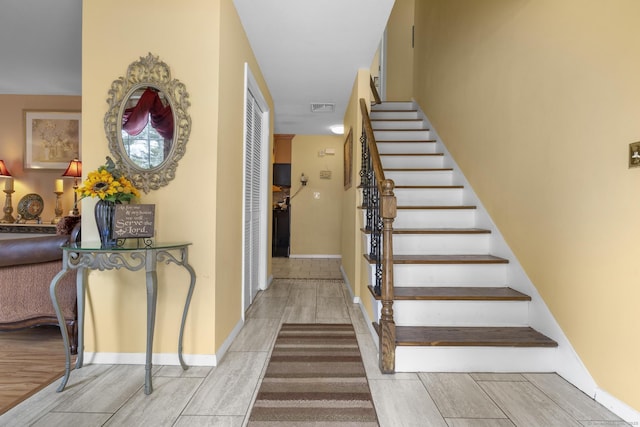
x=251, y=86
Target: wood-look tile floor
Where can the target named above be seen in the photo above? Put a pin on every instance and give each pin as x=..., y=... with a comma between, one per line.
x=303, y=291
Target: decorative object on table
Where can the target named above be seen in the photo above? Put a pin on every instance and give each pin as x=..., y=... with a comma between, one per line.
x=51, y=138
x=147, y=123
x=111, y=187
x=58, y=209
x=134, y=221
x=30, y=207
x=74, y=170
x=8, y=189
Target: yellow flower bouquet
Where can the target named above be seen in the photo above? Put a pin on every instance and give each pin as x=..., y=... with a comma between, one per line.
x=111, y=186
x=108, y=183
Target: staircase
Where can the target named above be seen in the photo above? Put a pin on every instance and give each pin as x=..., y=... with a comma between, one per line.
x=453, y=308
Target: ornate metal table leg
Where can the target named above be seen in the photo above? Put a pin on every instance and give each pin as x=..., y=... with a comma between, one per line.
x=152, y=297
x=80, y=287
x=61, y=323
x=192, y=273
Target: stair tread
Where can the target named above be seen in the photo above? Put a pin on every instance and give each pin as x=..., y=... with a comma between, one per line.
x=411, y=154
x=471, y=336
x=436, y=231
x=441, y=231
x=458, y=293
x=437, y=207
x=396, y=120
x=444, y=259
x=417, y=169
x=402, y=141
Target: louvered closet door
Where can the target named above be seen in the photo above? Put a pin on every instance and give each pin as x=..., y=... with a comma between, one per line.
x=252, y=198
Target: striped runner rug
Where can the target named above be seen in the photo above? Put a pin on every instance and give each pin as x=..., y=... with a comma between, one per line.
x=315, y=377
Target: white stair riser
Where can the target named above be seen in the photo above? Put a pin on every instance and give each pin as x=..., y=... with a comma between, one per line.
x=439, y=244
x=393, y=115
x=396, y=135
x=390, y=162
x=420, y=177
x=398, y=124
x=472, y=275
x=428, y=196
x=394, y=105
x=460, y=313
x=406, y=147
x=435, y=218
x=476, y=359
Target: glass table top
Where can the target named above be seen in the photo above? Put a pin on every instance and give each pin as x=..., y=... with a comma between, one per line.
x=127, y=245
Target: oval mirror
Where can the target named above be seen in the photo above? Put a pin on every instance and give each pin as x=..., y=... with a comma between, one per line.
x=147, y=124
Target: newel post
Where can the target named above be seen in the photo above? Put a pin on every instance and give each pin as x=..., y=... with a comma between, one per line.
x=387, y=325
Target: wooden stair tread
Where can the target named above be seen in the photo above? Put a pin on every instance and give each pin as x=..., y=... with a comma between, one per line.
x=486, y=336
x=437, y=207
x=436, y=231
x=444, y=259
x=441, y=231
x=401, y=130
x=410, y=154
x=395, y=120
x=458, y=293
x=405, y=141
x=380, y=110
x=418, y=169
x=428, y=187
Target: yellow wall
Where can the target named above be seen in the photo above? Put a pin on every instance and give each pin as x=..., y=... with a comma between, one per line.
x=399, y=59
x=234, y=52
x=12, y=140
x=352, y=219
x=315, y=223
x=538, y=101
x=202, y=34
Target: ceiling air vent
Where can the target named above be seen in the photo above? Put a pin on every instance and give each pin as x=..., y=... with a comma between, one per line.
x=322, y=107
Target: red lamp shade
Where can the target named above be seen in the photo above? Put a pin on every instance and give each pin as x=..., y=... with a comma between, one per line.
x=3, y=169
x=74, y=169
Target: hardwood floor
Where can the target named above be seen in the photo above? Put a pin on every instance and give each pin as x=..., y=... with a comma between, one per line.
x=112, y=395
x=30, y=359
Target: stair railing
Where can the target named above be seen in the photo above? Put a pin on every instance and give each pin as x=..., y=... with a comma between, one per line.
x=380, y=204
x=374, y=91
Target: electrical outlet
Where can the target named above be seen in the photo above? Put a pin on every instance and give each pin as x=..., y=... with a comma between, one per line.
x=316, y=195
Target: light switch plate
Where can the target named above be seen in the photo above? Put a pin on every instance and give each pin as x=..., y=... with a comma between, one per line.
x=634, y=155
x=316, y=195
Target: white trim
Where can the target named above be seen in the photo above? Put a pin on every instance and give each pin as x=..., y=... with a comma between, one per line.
x=618, y=407
x=252, y=87
x=567, y=363
x=315, y=256
x=227, y=342
x=166, y=359
x=346, y=282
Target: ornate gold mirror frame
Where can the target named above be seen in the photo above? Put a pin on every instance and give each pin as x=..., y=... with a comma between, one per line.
x=148, y=72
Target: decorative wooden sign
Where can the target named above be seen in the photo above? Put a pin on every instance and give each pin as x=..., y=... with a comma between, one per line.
x=134, y=221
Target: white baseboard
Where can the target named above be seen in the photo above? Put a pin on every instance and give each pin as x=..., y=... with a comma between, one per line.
x=618, y=407
x=169, y=359
x=314, y=256
x=346, y=282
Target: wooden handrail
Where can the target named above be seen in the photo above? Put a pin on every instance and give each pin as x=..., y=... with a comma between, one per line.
x=374, y=90
x=371, y=142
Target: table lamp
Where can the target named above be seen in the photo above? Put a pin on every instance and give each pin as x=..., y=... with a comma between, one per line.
x=74, y=170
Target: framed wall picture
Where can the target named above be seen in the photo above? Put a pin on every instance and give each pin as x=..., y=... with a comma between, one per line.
x=52, y=138
x=348, y=159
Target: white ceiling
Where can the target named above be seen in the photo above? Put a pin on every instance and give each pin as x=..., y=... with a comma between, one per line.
x=309, y=51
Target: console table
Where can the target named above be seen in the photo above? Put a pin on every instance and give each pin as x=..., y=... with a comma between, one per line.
x=132, y=256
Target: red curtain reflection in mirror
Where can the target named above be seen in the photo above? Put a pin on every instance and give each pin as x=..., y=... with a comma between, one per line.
x=135, y=119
